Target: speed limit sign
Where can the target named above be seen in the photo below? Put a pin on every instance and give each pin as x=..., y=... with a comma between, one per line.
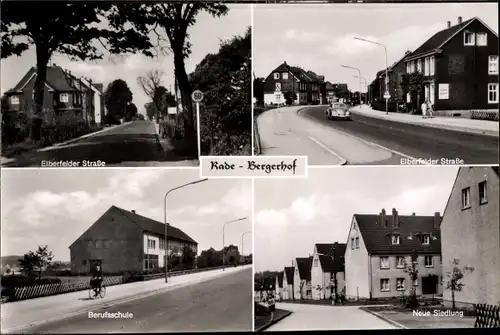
x=197, y=96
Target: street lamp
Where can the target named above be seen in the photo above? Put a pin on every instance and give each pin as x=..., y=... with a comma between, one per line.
x=359, y=75
x=223, y=238
x=386, y=94
x=335, y=281
x=165, y=220
x=243, y=235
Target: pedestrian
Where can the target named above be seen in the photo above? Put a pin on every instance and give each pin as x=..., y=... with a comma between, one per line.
x=424, y=109
x=430, y=110
x=272, y=305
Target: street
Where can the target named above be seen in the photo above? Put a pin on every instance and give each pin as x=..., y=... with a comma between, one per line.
x=131, y=144
x=317, y=317
x=223, y=303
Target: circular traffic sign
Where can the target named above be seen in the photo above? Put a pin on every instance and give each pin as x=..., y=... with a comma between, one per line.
x=197, y=96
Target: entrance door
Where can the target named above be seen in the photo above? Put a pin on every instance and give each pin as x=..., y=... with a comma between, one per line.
x=431, y=93
x=426, y=92
x=429, y=285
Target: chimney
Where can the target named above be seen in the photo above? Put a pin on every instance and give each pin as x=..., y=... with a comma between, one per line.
x=413, y=214
x=395, y=218
x=382, y=218
x=459, y=20
x=449, y=24
x=437, y=220
x=133, y=211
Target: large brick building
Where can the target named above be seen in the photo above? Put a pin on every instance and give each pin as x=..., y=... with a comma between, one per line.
x=124, y=241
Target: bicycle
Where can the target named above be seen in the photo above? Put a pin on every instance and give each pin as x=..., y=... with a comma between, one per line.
x=101, y=292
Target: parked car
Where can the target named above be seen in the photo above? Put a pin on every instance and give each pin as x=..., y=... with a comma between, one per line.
x=338, y=111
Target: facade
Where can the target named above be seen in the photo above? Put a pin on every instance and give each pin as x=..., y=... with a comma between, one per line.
x=65, y=94
x=471, y=234
x=288, y=283
x=328, y=262
x=395, y=72
x=124, y=241
x=302, y=288
x=380, y=245
x=460, y=67
x=279, y=286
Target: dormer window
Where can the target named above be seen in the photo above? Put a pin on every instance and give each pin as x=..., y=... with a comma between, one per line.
x=469, y=38
x=394, y=239
x=426, y=239
x=14, y=100
x=63, y=97
x=276, y=75
x=284, y=75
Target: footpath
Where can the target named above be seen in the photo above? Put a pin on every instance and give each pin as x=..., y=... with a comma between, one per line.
x=19, y=315
x=481, y=127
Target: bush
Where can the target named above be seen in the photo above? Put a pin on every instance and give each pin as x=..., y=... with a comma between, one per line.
x=380, y=106
x=23, y=281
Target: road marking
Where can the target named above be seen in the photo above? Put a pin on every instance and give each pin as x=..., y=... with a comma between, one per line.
x=343, y=161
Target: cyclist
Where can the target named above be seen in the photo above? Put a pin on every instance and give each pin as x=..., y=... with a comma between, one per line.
x=96, y=281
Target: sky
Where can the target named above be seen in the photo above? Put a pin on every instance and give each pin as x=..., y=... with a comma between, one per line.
x=55, y=206
x=320, y=37
x=291, y=216
x=205, y=37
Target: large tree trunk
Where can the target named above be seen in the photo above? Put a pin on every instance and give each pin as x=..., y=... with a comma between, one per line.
x=42, y=59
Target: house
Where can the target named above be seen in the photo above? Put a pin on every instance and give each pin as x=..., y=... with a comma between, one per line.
x=460, y=68
x=395, y=85
x=264, y=287
x=288, y=283
x=328, y=267
x=231, y=255
x=471, y=234
x=279, y=286
x=285, y=78
x=378, y=248
x=64, y=93
x=302, y=278
x=122, y=240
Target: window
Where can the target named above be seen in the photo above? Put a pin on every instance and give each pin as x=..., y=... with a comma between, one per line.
x=400, y=284
x=428, y=262
x=352, y=243
x=469, y=38
x=284, y=75
x=426, y=66
x=63, y=97
x=357, y=242
x=315, y=264
x=419, y=65
x=14, y=100
x=492, y=93
x=151, y=244
x=395, y=239
x=466, y=198
x=400, y=262
x=482, y=193
x=384, y=262
x=408, y=68
x=493, y=65
x=426, y=239
x=278, y=87
x=384, y=285
x=482, y=39
x=276, y=76
x=415, y=282
x=412, y=66
x=432, y=65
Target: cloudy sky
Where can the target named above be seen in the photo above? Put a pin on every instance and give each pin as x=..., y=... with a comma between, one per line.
x=293, y=215
x=54, y=207
x=320, y=37
x=205, y=36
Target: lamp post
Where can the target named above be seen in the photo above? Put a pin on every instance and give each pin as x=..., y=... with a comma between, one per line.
x=165, y=220
x=243, y=235
x=359, y=76
x=386, y=93
x=223, y=240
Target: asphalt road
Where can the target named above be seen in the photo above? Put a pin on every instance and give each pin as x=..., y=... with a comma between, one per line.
x=220, y=304
x=414, y=140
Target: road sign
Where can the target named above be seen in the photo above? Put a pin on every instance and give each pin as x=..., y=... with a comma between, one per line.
x=197, y=96
x=387, y=95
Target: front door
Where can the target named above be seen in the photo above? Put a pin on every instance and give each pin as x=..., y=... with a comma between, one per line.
x=429, y=285
x=426, y=92
x=431, y=93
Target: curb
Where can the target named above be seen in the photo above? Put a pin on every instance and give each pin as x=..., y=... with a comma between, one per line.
x=273, y=322
x=394, y=323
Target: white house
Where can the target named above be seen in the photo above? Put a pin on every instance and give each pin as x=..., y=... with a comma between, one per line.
x=327, y=269
x=302, y=278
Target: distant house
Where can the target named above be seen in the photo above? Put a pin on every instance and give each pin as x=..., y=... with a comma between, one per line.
x=380, y=245
x=302, y=288
x=279, y=285
x=395, y=88
x=263, y=288
x=328, y=262
x=231, y=255
x=471, y=234
x=288, y=283
x=460, y=65
x=124, y=241
x=64, y=93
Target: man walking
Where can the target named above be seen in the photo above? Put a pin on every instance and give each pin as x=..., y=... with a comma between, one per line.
x=423, y=107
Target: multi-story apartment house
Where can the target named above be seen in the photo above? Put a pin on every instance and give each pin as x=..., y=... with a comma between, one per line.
x=395, y=83
x=471, y=235
x=279, y=286
x=302, y=278
x=460, y=65
x=328, y=268
x=288, y=283
x=122, y=240
x=378, y=248
x=286, y=78
x=64, y=94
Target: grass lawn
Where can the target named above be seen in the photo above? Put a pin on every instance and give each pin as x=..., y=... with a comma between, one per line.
x=262, y=321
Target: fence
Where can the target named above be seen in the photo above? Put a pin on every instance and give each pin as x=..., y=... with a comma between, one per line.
x=487, y=316
x=484, y=115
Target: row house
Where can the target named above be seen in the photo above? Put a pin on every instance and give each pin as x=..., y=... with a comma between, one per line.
x=279, y=288
x=302, y=288
x=333, y=92
x=285, y=78
x=394, y=86
x=379, y=247
x=288, y=276
x=328, y=269
x=460, y=67
x=64, y=93
x=471, y=235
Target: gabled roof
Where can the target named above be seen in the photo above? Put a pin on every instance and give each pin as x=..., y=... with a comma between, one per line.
x=280, y=279
x=289, y=274
x=381, y=73
x=329, y=86
x=284, y=67
x=327, y=263
x=153, y=226
x=304, y=266
x=377, y=240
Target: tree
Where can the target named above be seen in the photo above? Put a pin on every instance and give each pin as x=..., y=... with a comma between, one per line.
x=116, y=98
x=290, y=97
x=150, y=110
x=188, y=257
x=162, y=99
x=130, y=111
x=258, y=90
x=71, y=29
x=150, y=81
x=413, y=84
x=36, y=261
x=454, y=278
x=174, y=258
x=209, y=258
x=412, y=271
x=140, y=117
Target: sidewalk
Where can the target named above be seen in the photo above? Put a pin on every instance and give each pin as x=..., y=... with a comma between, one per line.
x=481, y=127
x=21, y=314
